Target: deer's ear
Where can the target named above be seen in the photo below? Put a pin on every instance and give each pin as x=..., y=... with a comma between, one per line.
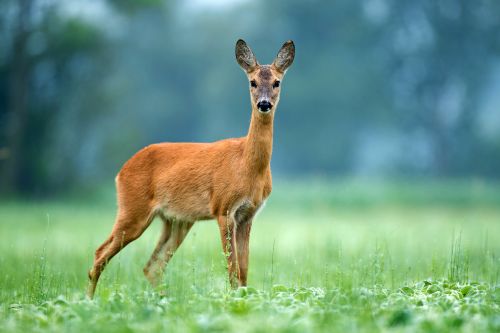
x=245, y=56
x=285, y=56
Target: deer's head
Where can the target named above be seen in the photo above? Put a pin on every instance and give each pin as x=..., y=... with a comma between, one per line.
x=265, y=80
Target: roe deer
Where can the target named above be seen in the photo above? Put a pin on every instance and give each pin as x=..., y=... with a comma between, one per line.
x=182, y=183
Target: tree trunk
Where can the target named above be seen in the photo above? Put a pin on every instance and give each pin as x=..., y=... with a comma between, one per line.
x=17, y=105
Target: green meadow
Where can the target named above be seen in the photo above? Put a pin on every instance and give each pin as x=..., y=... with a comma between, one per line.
x=327, y=256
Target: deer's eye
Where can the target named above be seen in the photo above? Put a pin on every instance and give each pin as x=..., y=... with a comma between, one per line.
x=276, y=84
x=253, y=84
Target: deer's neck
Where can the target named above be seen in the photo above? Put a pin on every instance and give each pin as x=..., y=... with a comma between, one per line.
x=259, y=143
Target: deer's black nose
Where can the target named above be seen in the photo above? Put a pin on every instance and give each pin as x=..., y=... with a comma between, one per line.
x=264, y=106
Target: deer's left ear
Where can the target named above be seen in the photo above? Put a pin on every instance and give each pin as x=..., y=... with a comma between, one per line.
x=244, y=56
x=285, y=56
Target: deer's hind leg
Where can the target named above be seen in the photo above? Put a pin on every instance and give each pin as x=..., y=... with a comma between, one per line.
x=164, y=237
x=171, y=238
x=128, y=227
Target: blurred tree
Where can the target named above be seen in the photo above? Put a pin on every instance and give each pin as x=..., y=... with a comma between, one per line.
x=442, y=55
x=41, y=65
x=16, y=77
x=382, y=87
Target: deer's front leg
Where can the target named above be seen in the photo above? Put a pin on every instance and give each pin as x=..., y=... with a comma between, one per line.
x=227, y=234
x=242, y=244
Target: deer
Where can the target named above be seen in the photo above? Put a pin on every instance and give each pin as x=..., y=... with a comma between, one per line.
x=182, y=183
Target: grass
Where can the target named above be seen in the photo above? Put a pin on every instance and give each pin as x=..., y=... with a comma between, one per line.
x=341, y=256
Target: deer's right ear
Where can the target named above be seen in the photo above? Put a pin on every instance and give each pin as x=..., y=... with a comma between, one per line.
x=245, y=56
x=285, y=56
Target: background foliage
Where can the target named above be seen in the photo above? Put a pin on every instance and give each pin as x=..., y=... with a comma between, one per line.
x=379, y=88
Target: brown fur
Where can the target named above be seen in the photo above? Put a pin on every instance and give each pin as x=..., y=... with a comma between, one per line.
x=227, y=180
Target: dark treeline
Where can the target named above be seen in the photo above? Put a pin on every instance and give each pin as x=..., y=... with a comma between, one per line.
x=397, y=88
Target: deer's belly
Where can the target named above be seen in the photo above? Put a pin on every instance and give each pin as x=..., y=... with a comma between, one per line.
x=186, y=207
